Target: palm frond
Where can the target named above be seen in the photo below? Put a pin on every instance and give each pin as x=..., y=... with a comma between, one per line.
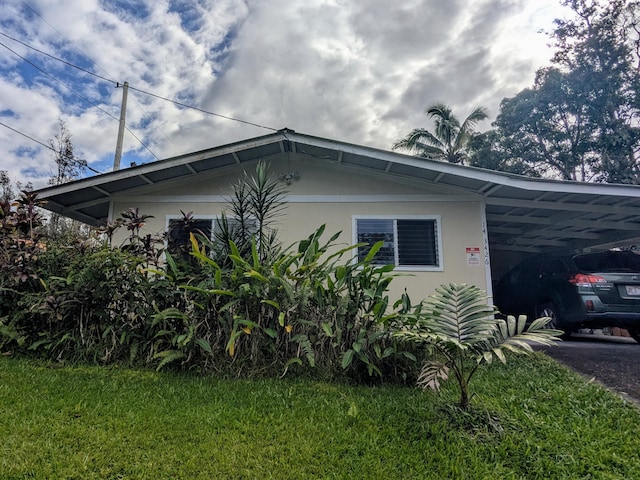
x=431, y=374
x=515, y=336
x=460, y=325
x=459, y=312
x=477, y=115
x=418, y=139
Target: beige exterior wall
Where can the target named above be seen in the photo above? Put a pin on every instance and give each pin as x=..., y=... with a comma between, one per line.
x=334, y=196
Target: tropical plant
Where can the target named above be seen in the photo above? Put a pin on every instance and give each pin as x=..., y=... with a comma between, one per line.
x=460, y=330
x=256, y=202
x=450, y=140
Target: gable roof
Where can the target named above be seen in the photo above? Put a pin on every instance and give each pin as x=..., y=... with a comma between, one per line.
x=522, y=214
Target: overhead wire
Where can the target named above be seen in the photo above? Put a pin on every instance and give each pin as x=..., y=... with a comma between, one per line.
x=40, y=143
x=77, y=94
x=56, y=58
x=59, y=33
x=202, y=110
x=87, y=71
x=175, y=102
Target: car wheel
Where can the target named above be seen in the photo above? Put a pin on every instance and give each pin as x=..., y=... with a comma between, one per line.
x=635, y=333
x=550, y=310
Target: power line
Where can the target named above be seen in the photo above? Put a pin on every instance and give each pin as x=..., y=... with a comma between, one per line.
x=184, y=105
x=75, y=92
x=56, y=58
x=27, y=136
x=40, y=143
x=84, y=70
x=56, y=80
x=202, y=111
x=59, y=33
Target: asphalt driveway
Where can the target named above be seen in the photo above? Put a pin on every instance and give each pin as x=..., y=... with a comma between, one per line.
x=612, y=361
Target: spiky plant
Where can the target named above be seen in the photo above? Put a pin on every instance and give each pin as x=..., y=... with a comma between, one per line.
x=459, y=328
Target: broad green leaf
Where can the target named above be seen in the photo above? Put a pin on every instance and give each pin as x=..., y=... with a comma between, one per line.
x=347, y=358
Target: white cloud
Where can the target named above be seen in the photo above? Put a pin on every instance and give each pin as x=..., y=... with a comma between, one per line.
x=356, y=71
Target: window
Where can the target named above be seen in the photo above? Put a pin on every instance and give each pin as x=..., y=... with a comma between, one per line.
x=409, y=242
x=180, y=228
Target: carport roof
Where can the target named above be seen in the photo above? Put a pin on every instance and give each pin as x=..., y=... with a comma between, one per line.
x=523, y=214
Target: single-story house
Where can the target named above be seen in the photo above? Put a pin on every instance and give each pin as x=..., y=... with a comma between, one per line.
x=472, y=224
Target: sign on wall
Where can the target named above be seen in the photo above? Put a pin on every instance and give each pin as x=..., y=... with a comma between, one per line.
x=473, y=256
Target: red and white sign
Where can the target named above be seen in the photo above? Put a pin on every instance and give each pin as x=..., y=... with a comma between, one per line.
x=473, y=255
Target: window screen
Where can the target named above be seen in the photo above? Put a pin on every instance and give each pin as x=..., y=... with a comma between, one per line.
x=416, y=242
x=407, y=242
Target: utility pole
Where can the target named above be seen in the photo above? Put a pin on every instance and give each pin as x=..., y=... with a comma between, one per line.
x=123, y=111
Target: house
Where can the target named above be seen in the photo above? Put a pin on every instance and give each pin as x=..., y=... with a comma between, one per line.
x=442, y=222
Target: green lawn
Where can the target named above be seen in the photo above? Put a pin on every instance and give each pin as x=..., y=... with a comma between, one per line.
x=532, y=419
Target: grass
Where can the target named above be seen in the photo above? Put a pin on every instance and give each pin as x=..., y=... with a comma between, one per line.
x=532, y=419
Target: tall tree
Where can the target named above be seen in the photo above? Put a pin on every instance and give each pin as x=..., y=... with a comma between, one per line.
x=579, y=120
x=68, y=164
x=6, y=190
x=68, y=167
x=450, y=139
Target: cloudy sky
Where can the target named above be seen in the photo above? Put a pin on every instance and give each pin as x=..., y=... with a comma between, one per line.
x=360, y=71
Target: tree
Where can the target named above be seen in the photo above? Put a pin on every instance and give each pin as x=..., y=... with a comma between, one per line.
x=69, y=166
x=579, y=120
x=600, y=49
x=491, y=151
x=6, y=191
x=547, y=126
x=450, y=140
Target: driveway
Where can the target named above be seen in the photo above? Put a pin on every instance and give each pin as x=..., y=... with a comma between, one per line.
x=612, y=361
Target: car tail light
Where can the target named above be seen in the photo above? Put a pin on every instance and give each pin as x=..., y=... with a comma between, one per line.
x=583, y=280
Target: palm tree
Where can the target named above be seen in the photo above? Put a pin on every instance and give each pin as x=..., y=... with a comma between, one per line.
x=460, y=332
x=449, y=141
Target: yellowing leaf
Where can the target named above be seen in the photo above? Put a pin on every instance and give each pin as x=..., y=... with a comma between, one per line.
x=246, y=330
x=232, y=349
x=288, y=328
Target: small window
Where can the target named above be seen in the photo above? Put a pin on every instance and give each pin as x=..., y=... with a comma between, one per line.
x=179, y=230
x=408, y=242
x=229, y=228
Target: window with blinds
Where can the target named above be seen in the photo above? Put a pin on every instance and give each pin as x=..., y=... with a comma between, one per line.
x=408, y=242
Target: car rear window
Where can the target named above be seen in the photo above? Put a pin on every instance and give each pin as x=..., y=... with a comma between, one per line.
x=611, y=261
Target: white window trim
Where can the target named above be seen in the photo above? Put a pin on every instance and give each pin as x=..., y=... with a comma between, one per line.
x=406, y=268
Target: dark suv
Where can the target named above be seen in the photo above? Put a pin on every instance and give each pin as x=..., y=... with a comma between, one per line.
x=587, y=290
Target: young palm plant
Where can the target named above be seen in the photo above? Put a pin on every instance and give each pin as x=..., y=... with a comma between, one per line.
x=458, y=327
